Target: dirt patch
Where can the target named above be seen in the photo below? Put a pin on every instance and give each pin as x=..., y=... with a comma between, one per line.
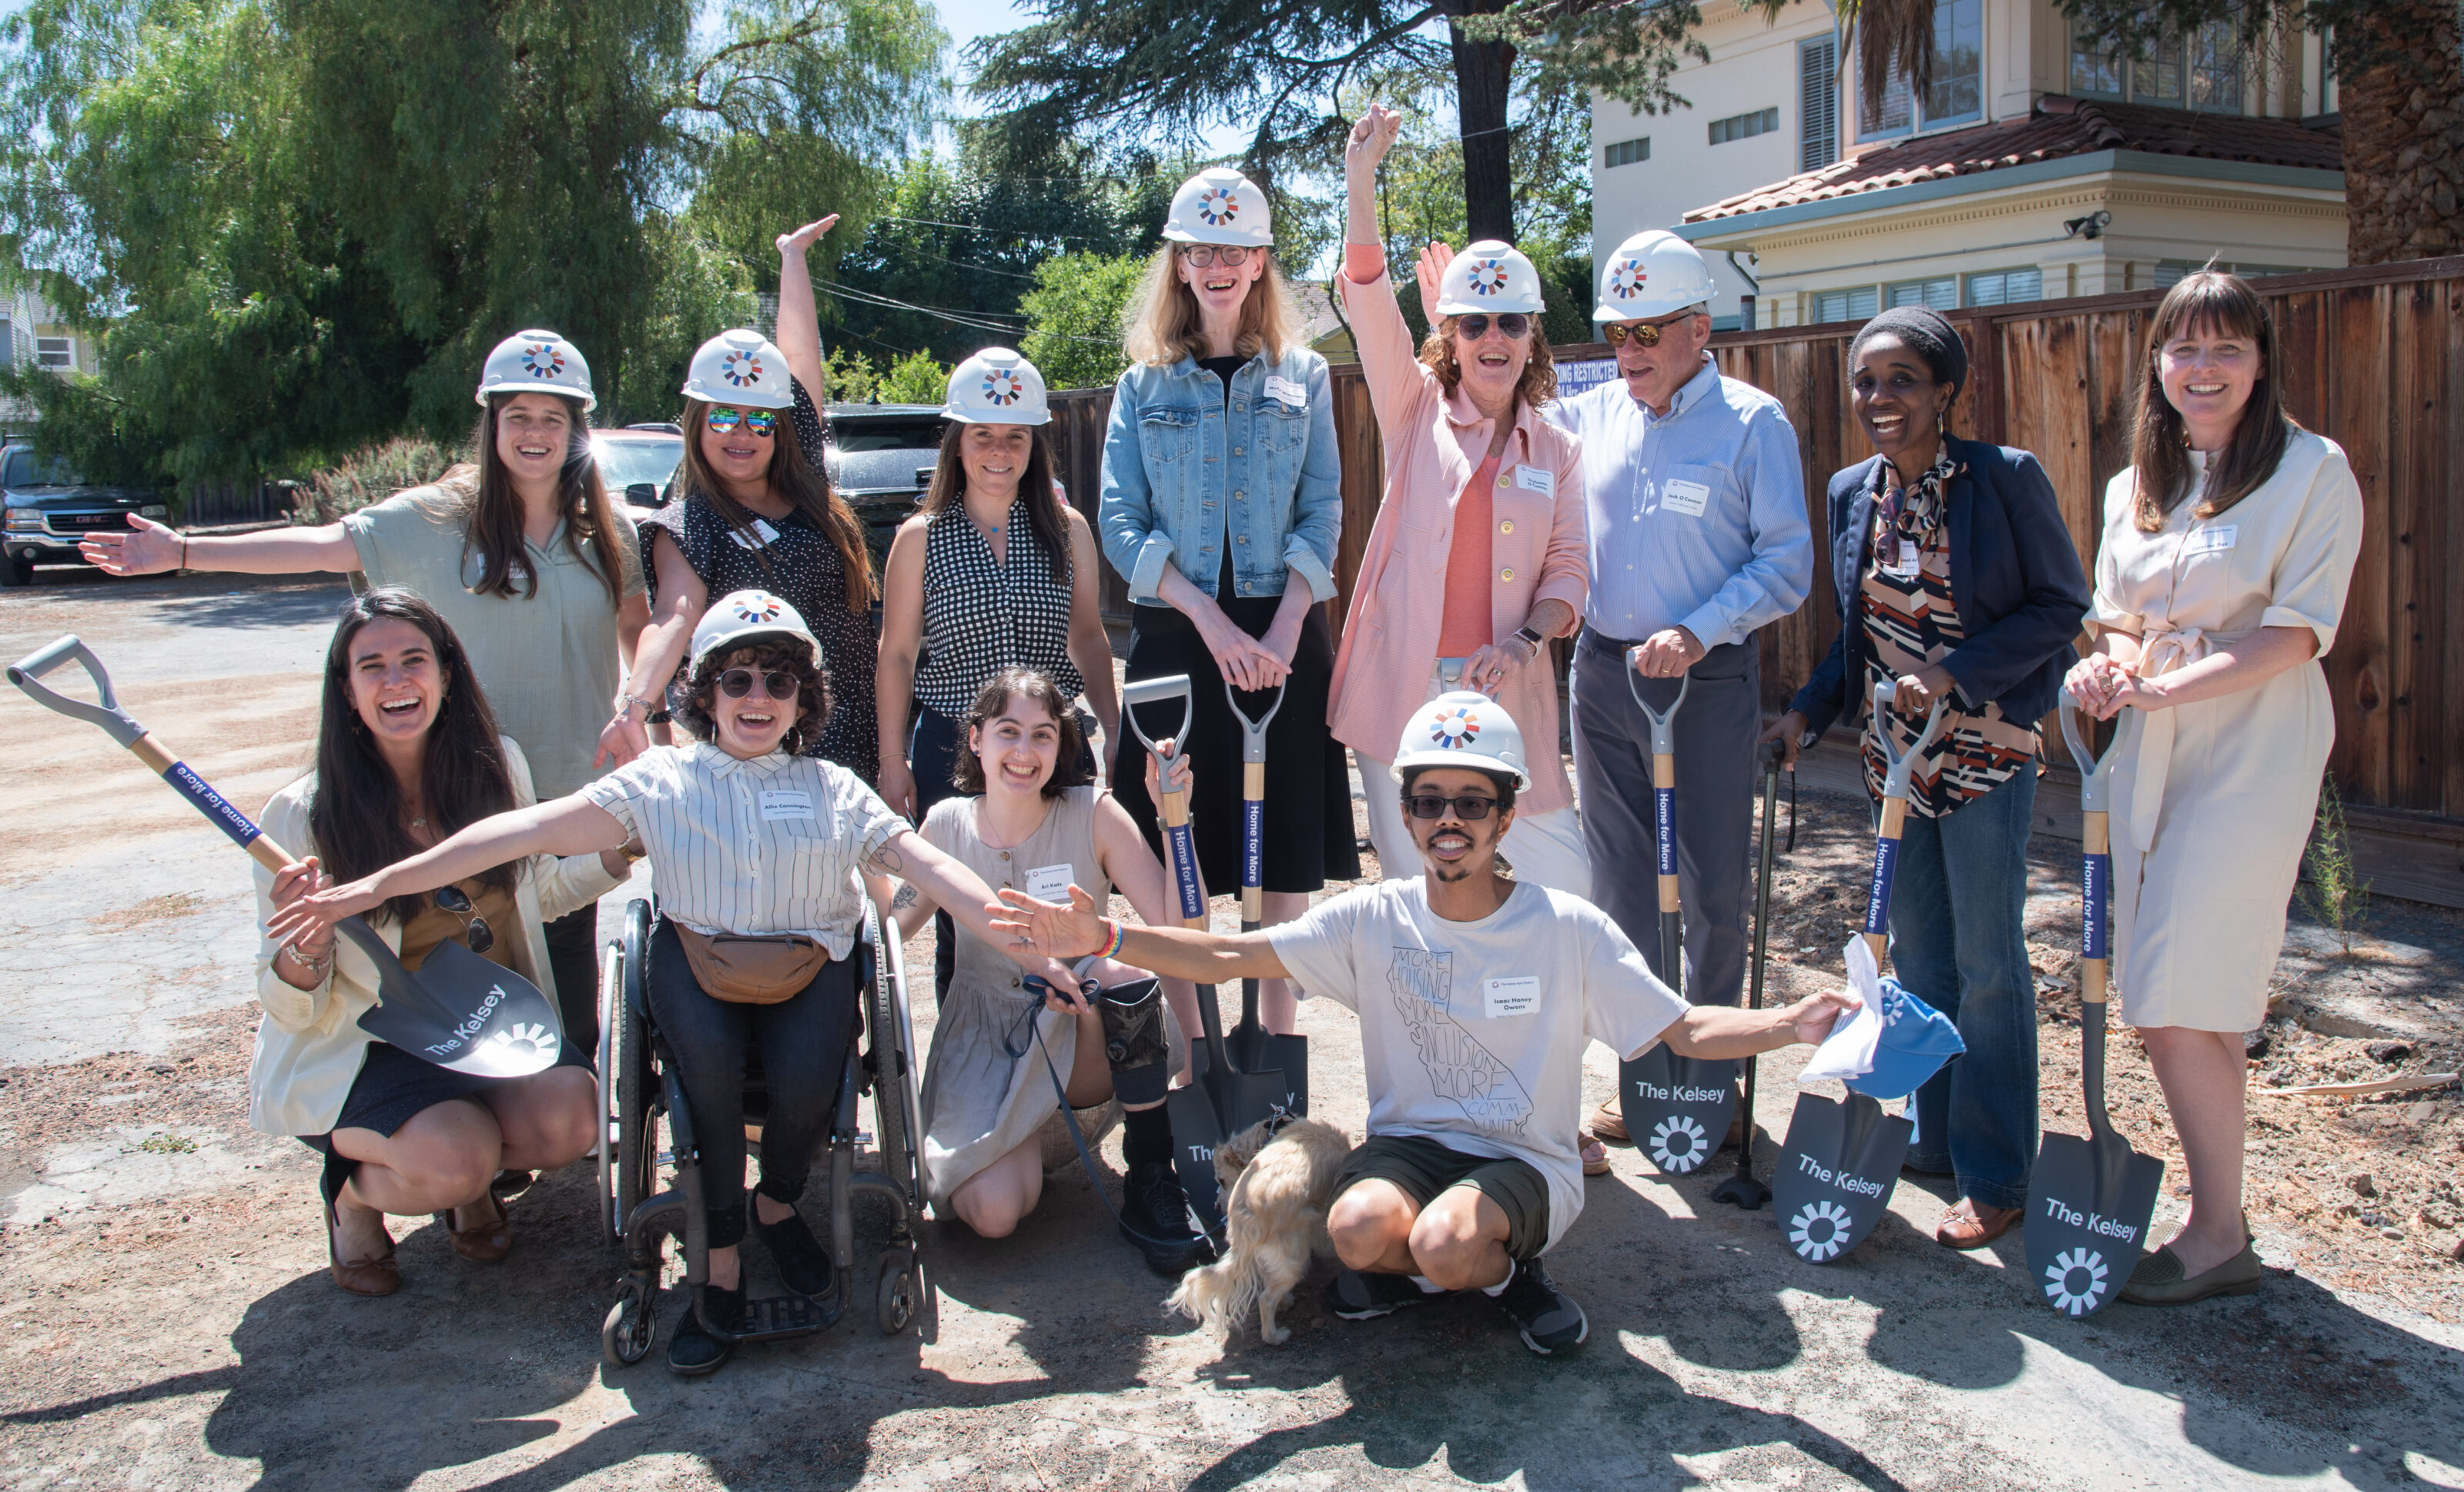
x=153, y=909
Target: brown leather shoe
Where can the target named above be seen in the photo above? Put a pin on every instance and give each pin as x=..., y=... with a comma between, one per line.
x=1608, y=1123
x=1593, y=1165
x=486, y=1242
x=380, y=1275
x=1972, y=1224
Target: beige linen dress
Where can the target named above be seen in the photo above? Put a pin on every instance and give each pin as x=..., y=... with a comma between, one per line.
x=2212, y=806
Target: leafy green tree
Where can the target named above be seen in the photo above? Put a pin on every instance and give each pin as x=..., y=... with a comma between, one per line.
x=914, y=379
x=1075, y=315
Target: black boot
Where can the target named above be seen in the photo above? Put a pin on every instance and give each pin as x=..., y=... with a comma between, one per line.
x=693, y=1351
x=1155, y=1217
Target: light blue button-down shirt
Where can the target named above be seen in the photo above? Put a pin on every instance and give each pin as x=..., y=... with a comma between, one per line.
x=1697, y=517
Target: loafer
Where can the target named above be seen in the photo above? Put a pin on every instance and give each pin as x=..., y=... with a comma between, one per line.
x=2160, y=1280
x=380, y=1275
x=487, y=1242
x=1585, y=1142
x=694, y=1351
x=1608, y=1123
x=1973, y=1224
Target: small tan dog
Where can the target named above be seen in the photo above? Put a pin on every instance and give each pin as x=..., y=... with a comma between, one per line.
x=1276, y=1182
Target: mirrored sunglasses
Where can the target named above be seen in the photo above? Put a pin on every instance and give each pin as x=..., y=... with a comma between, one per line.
x=1647, y=334
x=755, y=421
x=1512, y=325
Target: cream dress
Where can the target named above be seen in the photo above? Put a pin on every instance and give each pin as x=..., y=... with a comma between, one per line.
x=2214, y=805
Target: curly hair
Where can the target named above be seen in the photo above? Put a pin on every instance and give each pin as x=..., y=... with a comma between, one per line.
x=967, y=769
x=1539, y=383
x=780, y=654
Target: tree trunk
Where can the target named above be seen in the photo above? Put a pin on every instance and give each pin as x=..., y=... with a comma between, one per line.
x=1483, y=79
x=2404, y=136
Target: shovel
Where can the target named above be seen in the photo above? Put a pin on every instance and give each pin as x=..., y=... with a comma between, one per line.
x=1220, y=1101
x=1836, y=1171
x=460, y=1011
x=2090, y=1201
x=1678, y=1109
x=1741, y=1189
x=1253, y=1047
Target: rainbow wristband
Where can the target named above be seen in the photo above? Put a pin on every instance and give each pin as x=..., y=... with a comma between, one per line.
x=1120, y=935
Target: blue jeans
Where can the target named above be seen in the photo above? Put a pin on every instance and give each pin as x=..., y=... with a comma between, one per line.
x=1959, y=943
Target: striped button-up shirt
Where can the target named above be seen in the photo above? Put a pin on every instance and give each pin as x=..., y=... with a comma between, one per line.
x=767, y=845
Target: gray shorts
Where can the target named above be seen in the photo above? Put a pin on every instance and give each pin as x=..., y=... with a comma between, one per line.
x=1423, y=1168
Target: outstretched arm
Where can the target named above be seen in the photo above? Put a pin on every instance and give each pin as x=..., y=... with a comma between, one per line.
x=1713, y=1032
x=961, y=893
x=573, y=825
x=1077, y=930
x=149, y=548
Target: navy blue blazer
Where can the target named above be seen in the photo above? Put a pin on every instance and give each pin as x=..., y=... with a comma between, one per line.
x=2014, y=576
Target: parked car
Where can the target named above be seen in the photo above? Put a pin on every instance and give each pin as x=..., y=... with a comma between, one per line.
x=639, y=463
x=50, y=507
x=881, y=459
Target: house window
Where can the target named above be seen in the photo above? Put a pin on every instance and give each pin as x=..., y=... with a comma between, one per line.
x=2170, y=271
x=2215, y=68
x=1744, y=126
x=2157, y=78
x=2094, y=70
x=1818, y=94
x=1628, y=152
x=1846, y=305
x=1934, y=295
x=2002, y=286
x=2202, y=71
x=54, y=352
x=1956, y=91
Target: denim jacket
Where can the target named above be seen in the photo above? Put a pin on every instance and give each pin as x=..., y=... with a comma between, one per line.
x=1178, y=474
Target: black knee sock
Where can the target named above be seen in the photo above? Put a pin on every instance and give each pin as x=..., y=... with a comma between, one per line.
x=1146, y=1136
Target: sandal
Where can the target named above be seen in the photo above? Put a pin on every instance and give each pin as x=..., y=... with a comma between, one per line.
x=1608, y=1123
x=488, y=1242
x=1596, y=1156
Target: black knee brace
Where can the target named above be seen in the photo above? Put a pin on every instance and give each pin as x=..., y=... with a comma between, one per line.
x=1134, y=1043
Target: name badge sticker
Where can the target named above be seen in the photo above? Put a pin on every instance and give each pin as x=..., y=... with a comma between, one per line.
x=1688, y=499
x=1283, y=390
x=2212, y=540
x=1536, y=479
x=1504, y=998
x=779, y=803
x=763, y=536
x=1049, y=883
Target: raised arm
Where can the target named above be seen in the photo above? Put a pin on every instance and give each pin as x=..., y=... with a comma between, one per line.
x=149, y=548
x=800, y=323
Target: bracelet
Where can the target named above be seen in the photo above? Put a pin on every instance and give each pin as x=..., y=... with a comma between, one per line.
x=183, y=550
x=314, y=966
x=1120, y=935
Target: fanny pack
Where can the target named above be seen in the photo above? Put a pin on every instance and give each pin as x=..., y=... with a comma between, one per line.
x=752, y=969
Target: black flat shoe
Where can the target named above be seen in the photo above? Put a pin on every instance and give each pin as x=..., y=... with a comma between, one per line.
x=804, y=1265
x=693, y=1351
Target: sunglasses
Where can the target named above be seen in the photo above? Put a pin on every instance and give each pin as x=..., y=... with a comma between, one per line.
x=755, y=421
x=777, y=684
x=450, y=899
x=1646, y=335
x=1512, y=325
x=1233, y=255
x=1429, y=806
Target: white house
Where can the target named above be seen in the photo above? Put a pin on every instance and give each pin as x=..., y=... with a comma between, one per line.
x=30, y=335
x=2033, y=165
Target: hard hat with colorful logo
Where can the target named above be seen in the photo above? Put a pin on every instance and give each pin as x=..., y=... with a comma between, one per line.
x=537, y=362
x=742, y=618
x=997, y=386
x=1463, y=729
x=1652, y=274
x=1220, y=205
x=1488, y=277
x=743, y=368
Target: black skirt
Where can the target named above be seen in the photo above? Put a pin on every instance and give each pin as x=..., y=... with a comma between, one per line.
x=1309, y=839
x=393, y=1086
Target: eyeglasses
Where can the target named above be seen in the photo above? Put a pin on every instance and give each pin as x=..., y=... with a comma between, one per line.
x=1429, y=806
x=1200, y=255
x=762, y=423
x=1647, y=334
x=777, y=683
x=1512, y=325
x=449, y=898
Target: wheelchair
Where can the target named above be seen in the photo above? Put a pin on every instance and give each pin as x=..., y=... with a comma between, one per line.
x=641, y=1094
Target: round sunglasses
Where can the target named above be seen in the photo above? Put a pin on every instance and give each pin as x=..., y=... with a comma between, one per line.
x=776, y=683
x=1512, y=325
x=762, y=423
x=1645, y=334
x=1470, y=808
x=450, y=899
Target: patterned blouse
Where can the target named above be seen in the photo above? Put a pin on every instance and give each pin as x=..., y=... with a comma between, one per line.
x=980, y=617
x=1910, y=622
x=796, y=560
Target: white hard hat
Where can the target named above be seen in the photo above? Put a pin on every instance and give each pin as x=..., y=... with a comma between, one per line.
x=1488, y=277
x=537, y=362
x=743, y=368
x=1652, y=274
x=747, y=616
x=1220, y=205
x=1463, y=729
x=997, y=386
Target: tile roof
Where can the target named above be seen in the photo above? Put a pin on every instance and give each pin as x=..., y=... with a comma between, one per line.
x=2059, y=126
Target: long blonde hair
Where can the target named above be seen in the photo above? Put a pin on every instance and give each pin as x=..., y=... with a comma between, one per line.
x=1161, y=326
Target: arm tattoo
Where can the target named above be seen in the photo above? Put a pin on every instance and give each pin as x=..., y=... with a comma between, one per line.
x=886, y=861
x=905, y=898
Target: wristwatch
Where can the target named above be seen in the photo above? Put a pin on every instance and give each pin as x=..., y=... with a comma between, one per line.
x=1539, y=644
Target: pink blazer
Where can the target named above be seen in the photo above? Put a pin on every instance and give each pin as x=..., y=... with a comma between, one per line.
x=1537, y=548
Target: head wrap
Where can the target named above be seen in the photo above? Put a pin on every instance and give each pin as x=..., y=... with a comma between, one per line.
x=1924, y=332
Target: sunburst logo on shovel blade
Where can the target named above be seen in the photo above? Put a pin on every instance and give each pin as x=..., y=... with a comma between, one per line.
x=537, y=1038
x=1677, y=1144
x=2075, y=1282
x=1817, y=1231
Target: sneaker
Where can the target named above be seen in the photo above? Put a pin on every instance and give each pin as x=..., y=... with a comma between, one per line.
x=1154, y=1218
x=1355, y=1296
x=1547, y=1317
x=692, y=1351
x=803, y=1264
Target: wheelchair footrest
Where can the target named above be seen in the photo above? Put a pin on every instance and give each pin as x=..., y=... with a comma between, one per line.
x=775, y=1317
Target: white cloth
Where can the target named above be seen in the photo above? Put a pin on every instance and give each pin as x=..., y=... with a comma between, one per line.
x=1848, y=1051
x=1472, y=1033
x=309, y=1047
x=767, y=845
x=2213, y=805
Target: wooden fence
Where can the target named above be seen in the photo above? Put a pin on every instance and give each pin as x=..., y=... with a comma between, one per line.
x=2374, y=360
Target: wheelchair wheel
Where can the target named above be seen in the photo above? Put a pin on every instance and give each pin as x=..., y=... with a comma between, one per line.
x=632, y=1327
x=900, y=1288
x=632, y=1077
x=885, y=1023
x=612, y=1000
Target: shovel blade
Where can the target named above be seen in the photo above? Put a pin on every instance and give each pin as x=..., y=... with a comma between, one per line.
x=2089, y=1205
x=460, y=1011
x=1196, y=1132
x=1836, y=1173
x=1678, y=1109
x=1264, y=1055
